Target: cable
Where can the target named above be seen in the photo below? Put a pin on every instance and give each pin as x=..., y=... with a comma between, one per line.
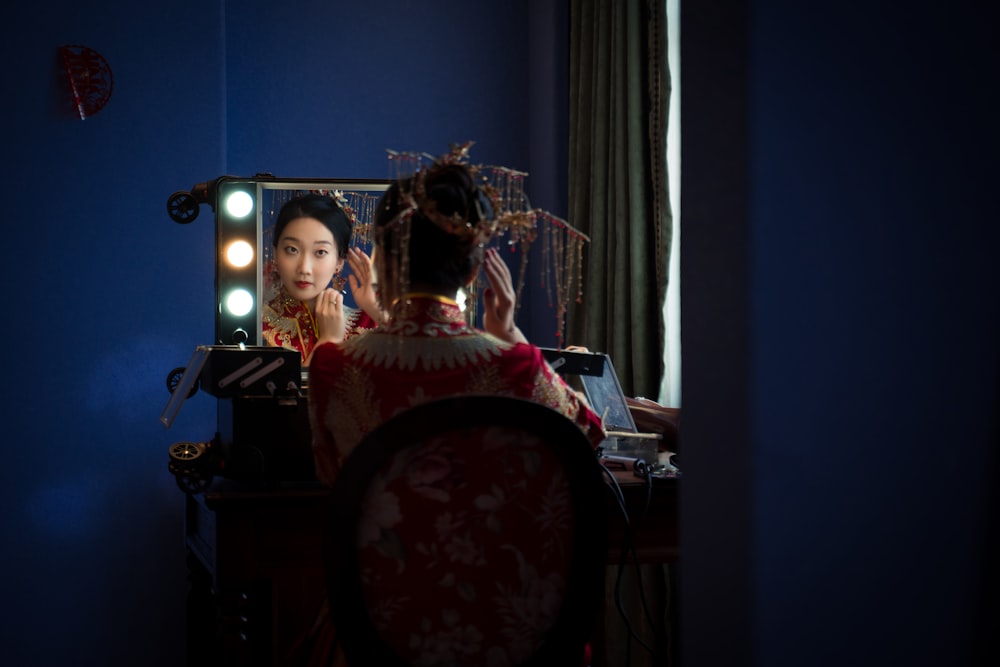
x=628, y=547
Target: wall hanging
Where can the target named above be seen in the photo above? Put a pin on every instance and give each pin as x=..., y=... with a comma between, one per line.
x=89, y=76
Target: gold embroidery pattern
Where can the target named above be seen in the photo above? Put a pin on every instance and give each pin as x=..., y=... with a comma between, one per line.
x=351, y=318
x=426, y=316
x=282, y=327
x=427, y=333
x=488, y=380
x=291, y=324
x=288, y=323
x=548, y=393
x=433, y=353
x=353, y=411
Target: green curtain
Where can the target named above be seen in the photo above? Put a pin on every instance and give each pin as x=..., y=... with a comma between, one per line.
x=619, y=94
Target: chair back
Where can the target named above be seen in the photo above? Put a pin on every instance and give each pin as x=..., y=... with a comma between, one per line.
x=468, y=531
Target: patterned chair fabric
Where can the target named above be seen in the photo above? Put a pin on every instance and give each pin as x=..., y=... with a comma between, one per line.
x=468, y=531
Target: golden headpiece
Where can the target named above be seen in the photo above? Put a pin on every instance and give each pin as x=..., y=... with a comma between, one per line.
x=499, y=212
x=500, y=206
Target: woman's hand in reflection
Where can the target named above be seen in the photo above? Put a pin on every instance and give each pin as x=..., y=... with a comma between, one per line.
x=499, y=300
x=329, y=313
x=362, y=282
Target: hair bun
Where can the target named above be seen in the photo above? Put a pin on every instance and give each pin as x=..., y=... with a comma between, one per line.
x=452, y=189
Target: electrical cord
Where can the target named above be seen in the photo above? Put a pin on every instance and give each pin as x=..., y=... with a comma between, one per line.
x=628, y=548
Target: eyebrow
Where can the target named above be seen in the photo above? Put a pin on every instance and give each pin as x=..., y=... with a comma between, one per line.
x=300, y=241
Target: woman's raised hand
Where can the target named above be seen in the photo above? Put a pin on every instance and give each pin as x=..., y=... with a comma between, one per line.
x=329, y=313
x=499, y=300
x=362, y=282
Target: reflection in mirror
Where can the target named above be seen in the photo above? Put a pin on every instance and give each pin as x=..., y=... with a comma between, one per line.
x=247, y=284
x=247, y=209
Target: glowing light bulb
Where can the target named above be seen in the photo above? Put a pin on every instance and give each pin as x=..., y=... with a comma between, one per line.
x=239, y=204
x=239, y=302
x=239, y=253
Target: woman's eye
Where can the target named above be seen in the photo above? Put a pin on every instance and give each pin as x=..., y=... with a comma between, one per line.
x=290, y=250
x=322, y=252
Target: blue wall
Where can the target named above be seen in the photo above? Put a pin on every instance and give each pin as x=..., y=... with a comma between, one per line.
x=840, y=318
x=876, y=335
x=106, y=294
x=841, y=328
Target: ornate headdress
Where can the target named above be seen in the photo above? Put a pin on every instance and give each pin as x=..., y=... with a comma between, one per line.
x=500, y=212
x=503, y=205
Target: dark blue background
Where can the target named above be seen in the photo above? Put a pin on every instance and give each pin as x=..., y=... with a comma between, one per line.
x=839, y=286
x=106, y=294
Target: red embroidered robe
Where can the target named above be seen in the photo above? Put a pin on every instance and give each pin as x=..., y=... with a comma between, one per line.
x=426, y=351
x=289, y=323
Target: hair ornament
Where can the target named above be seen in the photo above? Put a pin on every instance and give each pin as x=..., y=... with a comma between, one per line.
x=500, y=213
x=500, y=203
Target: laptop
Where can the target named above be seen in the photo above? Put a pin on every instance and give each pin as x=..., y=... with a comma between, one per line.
x=624, y=446
x=595, y=375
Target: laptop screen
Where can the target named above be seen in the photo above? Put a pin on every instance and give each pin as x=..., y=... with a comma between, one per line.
x=595, y=374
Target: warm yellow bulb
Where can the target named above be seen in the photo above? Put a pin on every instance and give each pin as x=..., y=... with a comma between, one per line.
x=239, y=253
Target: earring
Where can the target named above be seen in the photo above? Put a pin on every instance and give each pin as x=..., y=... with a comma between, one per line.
x=339, y=281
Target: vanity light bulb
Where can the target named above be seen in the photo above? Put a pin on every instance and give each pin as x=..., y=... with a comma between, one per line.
x=239, y=204
x=239, y=253
x=239, y=302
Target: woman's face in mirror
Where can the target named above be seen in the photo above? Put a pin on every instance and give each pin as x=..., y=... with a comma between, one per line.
x=307, y=258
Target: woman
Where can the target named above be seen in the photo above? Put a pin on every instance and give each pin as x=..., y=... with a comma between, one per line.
x=430, y=233
x=312, y=235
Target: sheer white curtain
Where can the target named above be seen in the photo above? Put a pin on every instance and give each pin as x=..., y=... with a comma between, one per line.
x=670, y=390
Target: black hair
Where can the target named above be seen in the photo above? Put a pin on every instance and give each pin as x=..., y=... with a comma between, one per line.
x=436, y=257
x=319, y=207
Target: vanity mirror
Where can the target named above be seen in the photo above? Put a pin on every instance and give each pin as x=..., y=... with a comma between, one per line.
x=245, y=211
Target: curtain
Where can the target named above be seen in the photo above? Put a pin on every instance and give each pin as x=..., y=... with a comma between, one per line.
x=619, y=95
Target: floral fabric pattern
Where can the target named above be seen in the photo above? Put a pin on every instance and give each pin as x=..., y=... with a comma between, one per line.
x=480, y=523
